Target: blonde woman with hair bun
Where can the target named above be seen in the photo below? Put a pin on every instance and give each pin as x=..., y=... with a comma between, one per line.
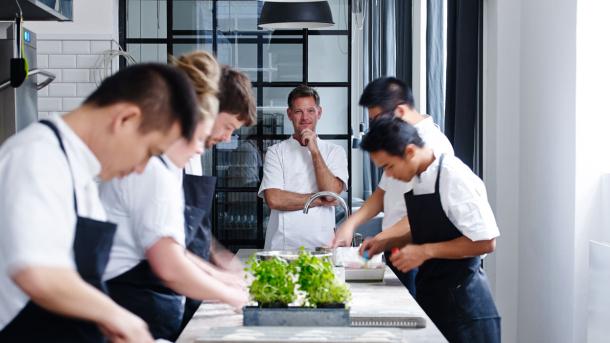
x=150, y=271
x=204, y=72
x=237, y=108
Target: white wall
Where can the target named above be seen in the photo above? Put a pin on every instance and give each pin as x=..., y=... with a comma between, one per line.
x=501, y=148
x=95, y=18
x=547, y=171
x=71, y=50
x=546, y=139
x=592, y=143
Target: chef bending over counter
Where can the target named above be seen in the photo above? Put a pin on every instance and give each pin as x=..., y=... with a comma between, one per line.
x=150, y=270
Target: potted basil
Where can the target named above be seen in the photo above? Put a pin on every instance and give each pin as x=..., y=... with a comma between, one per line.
x=316, y=278
x=273, y=284
x=277, y=284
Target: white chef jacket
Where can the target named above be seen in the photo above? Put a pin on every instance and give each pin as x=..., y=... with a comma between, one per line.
x=394, y=207
x=37, y=219
x=463, y=197
x=288, y=166
x=146, y=207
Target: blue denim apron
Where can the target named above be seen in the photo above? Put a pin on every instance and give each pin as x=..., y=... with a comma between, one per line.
x=141, y=292
x=198, y=197
x=455, y=294
x=91, y=248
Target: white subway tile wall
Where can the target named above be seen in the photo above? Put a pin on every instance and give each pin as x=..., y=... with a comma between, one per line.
x=73, y=63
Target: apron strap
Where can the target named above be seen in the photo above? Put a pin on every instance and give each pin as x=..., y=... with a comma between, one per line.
x=162, y=161
x=438, y=174
x=53, y=128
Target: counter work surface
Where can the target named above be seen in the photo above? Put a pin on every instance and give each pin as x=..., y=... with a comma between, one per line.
x=369, y=299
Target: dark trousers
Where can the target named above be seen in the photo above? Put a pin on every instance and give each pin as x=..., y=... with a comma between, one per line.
x=407, y=279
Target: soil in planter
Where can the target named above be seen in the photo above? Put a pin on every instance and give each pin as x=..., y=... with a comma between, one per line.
x=331, y=305
x=273, y=305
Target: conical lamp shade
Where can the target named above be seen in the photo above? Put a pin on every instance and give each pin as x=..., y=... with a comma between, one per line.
x=296, y=15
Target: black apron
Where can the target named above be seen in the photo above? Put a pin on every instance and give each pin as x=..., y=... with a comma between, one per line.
x=455, y=294
x=198, y=198
x=406, y=278
x=91, y=248
x=141, y=292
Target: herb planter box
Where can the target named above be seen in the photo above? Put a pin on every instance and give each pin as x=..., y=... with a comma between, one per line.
x=295, y=316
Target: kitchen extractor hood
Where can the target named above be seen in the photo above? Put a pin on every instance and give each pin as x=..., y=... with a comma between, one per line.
x=37, y=10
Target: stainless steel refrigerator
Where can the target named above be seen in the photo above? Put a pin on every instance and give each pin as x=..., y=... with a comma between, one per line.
x=19, y=106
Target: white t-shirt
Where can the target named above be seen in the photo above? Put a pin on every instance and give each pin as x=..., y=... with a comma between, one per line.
x=288, y=166
x=463, y=197
x=37, y=219
x=146, y=207
x=194, y=166
x=394, y=207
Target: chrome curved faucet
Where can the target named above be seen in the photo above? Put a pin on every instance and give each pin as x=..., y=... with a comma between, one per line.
x=342, y=202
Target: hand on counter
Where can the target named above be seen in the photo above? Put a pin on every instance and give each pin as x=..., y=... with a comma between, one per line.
x=343, y=236
x=231, y=279
x=240, y=299
x=225, y=259
x=409, y=257
x=126, y=327
x=373, y=246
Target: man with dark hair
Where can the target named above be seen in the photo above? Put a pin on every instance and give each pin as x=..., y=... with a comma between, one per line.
x=236, y=105
x=55, y=237
x=391, y=95
x=297, y=168
x=386, y=94
x=452, y=226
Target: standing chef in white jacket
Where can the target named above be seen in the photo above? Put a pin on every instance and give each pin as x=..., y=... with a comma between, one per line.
x=297, y=168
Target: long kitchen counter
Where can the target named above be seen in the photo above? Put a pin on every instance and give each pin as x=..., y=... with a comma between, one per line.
x=369, y=299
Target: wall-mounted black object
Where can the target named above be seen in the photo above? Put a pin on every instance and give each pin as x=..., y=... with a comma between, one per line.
x=36, y=10
x=295, y=15
x=19, y=65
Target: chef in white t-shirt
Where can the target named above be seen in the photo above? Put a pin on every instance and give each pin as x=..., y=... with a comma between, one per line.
x=452, y=227
x=55, y=233
x=384, y=95
x=294, y=170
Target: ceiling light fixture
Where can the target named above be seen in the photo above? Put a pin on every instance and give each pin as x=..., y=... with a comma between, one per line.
x=295, y=15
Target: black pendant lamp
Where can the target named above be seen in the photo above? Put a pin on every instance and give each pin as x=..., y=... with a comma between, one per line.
x=295, y=15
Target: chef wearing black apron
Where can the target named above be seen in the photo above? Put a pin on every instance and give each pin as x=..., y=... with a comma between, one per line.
x=455, y=293
x=452, y=225
x=150, y=269
x=138, y=289
x=91, y=249
x=198, y=198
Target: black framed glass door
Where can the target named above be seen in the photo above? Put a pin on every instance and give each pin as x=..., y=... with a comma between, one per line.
x=276, y=61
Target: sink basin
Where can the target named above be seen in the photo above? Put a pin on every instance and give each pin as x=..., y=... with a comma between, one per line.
x=288, y=255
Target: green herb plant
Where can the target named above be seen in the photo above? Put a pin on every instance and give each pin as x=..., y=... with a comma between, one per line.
x=315, y=276
x=273, y=282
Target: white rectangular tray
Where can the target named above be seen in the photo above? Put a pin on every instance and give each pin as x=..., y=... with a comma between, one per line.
x=364, y=274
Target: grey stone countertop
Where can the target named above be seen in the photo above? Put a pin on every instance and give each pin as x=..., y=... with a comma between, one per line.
x=369, y=299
